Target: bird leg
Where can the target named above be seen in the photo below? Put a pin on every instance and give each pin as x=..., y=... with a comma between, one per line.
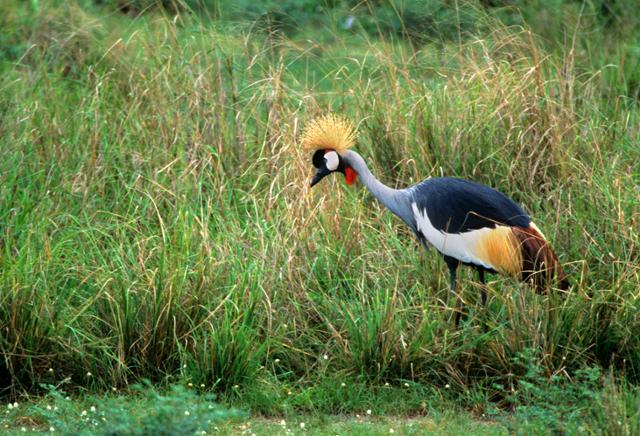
x=483, y=287
x=453, y=265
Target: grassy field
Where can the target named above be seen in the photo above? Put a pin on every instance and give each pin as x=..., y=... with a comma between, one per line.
x=156, y=221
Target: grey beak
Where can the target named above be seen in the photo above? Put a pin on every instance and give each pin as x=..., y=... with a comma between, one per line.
x=320, y=174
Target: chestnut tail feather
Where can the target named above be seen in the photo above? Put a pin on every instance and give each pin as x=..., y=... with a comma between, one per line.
x=539, y=263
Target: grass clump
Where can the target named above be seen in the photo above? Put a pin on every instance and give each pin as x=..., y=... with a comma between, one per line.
x=145, y=411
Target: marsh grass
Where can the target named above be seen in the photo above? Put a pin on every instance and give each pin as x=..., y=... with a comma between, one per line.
x=157, y=222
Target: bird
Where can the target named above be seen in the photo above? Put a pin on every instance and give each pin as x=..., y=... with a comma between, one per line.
x=467, y=222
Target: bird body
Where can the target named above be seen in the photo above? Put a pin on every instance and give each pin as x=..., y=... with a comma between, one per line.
x=469, y=223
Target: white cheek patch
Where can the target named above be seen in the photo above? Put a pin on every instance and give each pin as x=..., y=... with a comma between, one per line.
x=332, y=160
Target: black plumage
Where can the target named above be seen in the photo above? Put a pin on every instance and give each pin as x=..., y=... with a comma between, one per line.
x=457, y=205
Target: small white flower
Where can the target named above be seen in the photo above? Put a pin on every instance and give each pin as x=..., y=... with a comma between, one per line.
x=447, y=386
x=93, y=409
x=50, y=369
x=343, y=384
x=190, y=385
x=277, y=361
x=84, y=413
x=24, y=429
x=113, y=388
x=283, y=422
x=406, y=385
x=15, y=405
x=325, y=357
x=386, y=383
x=184, y=366
x=236, y=386
x=51, y=429
x=49, y=407
x=368, y=411
x=186, y=412
x=302, y=425
x=202, y=385
x=391, y=430
x=9, y=406
x=89, y=374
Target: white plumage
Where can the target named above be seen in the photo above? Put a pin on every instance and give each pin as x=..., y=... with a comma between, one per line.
x=458, y=245
x=332, y=160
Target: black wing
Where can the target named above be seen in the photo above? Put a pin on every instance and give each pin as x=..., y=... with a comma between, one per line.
x=457, y=205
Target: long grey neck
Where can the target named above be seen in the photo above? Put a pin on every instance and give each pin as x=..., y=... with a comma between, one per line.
x=395, y=200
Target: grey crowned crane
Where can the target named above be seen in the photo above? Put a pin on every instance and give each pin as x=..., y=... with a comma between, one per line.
x=469, y=223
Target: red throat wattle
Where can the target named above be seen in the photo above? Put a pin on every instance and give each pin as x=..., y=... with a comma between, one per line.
x=350, y=175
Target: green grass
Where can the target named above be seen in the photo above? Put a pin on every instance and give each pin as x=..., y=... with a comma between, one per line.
x=156, y=221
x=178, y=410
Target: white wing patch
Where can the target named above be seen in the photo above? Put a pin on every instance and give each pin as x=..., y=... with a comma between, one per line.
x=332, y=160
x=461, y=246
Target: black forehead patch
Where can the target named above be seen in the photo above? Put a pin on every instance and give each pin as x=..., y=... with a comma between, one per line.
x=318, y=159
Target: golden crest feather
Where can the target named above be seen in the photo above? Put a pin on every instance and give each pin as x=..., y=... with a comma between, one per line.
x=329, y=132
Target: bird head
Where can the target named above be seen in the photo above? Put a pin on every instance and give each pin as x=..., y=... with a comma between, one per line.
x=329, y=137
x=329, y=161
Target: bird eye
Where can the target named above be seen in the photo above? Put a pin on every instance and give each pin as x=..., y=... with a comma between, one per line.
x=332, y=160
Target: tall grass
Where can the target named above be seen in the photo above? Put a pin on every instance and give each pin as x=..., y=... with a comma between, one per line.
x=157, y=222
